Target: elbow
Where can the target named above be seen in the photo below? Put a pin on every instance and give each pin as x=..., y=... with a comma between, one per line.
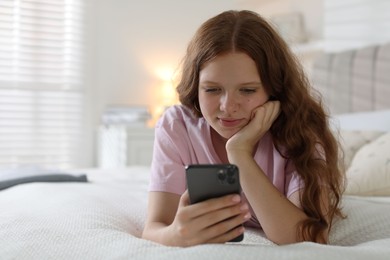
x=147, y=233
x=282, y=241
x=287, y=239
x=144, y=234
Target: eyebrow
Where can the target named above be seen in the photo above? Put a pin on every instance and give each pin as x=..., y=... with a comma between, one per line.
x=241, y=84
x=251, y=83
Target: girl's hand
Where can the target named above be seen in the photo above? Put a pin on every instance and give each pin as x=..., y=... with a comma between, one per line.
x=262, y=119
x=212, y=221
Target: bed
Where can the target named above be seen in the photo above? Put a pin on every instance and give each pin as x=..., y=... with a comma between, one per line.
x=103, y=218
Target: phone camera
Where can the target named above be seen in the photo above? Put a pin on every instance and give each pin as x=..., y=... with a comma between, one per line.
x=231, y=180
x=226, y=176
x=230, y=172
x=221, y=176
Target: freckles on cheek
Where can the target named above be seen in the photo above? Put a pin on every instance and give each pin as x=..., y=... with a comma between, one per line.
x=255, y=103
x=207, y=101
x=211, y=106
x=258, y=101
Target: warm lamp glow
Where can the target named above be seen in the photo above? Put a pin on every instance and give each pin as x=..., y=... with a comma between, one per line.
x=168, y=93
x=165, y=93
x=165, y=74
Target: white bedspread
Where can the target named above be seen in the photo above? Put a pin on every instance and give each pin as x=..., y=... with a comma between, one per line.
x=104, y=219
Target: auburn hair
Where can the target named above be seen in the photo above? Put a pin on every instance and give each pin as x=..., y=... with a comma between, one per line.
x=302, y=127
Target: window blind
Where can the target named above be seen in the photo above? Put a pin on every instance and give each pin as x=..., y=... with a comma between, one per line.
x=41, y=82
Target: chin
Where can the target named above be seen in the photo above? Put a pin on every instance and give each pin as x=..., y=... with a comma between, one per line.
x=227, y=134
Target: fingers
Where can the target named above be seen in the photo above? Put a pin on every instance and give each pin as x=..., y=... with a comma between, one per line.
x=205, y=207
x=209, y=212
x=210, y=220
x=276, y=109
x=228, y=236
x=222, y=231
x=267, y=113
x=228, y=229
x=184, y=199
x=273, y=111
x=216, y=204
x=222, y=215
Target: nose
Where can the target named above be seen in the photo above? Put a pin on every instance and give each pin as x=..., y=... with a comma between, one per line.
x=229, y=103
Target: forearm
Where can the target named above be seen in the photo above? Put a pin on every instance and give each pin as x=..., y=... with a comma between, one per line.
x=278, y=216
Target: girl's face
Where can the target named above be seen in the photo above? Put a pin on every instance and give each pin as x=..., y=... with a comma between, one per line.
x=229, y=90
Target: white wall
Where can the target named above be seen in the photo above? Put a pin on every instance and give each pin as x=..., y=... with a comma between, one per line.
x=312, y=11
x=136, y=38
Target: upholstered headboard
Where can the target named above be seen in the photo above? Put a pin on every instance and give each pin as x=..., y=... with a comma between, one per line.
x=354, y=80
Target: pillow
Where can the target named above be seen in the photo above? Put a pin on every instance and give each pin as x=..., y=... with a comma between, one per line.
x=10, y=177
x=367, y=121
x=352, y=141
x=369, y=173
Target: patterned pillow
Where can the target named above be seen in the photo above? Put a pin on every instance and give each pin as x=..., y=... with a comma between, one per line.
x=369, y=173
x=351, y=141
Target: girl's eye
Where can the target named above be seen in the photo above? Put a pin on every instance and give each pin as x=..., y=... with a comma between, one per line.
x=212, y=90
x=248, y=90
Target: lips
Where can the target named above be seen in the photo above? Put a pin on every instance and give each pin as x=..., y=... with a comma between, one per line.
x=229, y=122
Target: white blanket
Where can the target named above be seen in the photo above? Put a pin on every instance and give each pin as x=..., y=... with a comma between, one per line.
x=104, y=220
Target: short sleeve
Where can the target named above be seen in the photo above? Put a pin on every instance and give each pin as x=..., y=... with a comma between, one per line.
x=171, y=153
x=167, y=171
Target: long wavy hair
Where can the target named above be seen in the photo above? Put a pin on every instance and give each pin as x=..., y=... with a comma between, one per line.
x=301, y=128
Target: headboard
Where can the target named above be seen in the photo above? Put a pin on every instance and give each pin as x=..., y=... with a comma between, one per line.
x=354, y=80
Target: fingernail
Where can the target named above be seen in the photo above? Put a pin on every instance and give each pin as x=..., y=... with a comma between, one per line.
x=236, y=198
x=247, y=216
x=241, y=229
x=244, y=207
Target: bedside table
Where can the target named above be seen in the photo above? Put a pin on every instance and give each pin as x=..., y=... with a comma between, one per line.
x=124, y=145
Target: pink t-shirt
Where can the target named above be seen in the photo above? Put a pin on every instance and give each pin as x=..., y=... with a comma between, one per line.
x=182, y=139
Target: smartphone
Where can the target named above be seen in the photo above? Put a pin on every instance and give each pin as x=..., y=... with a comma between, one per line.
x=206, y=181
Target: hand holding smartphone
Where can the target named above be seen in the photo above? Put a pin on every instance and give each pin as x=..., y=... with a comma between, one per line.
x=206, y=181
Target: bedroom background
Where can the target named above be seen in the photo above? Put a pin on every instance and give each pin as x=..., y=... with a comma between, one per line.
x=78, y=79
x=127, y=51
